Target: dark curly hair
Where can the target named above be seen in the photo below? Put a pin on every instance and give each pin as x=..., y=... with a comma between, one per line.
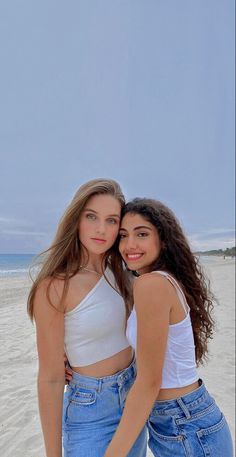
x=176, y=258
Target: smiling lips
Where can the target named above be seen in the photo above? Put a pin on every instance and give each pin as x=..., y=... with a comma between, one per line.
x=134, y=257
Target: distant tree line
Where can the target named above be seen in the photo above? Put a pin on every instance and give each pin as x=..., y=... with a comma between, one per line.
x=228, y=252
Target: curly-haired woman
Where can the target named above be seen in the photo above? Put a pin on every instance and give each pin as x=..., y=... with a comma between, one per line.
x=169, y=327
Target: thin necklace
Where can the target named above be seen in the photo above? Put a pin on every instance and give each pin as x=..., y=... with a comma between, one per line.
x=90, y=271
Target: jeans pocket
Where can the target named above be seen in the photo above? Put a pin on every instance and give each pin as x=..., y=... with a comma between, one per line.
x=83, y=396
x=79, y=406
x=165, y=445
x=216, y=440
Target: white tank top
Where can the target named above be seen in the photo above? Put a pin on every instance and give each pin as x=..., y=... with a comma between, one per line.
x=95, y=328
x=179, y=368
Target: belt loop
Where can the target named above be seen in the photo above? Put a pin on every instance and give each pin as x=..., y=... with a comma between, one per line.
x=99, y=385
x=183, y=407
x=120, y=380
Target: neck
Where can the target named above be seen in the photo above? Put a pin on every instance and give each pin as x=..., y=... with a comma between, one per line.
x=93, y=262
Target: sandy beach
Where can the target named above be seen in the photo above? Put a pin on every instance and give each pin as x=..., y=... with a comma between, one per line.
x=19, y=421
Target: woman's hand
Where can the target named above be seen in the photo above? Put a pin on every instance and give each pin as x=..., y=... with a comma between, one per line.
x=68, y=370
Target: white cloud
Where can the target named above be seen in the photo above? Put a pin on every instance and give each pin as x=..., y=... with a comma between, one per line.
x=17, y=227
x=23, y=232
x=216, y=238
x=215, y=231
x=10, y=221
x=6, y=220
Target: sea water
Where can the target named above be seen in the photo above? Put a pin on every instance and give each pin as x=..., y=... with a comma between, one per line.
x=15, y=264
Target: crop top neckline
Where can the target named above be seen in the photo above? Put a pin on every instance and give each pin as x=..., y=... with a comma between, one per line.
x=94, y=288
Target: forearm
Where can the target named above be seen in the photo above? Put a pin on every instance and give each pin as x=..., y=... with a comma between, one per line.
x=50, y=395
x=138, y=405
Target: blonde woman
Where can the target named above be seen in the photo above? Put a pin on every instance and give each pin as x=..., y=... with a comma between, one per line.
x=80, y=301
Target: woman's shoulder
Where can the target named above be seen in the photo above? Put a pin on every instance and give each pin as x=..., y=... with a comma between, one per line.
x=155, y=292
x=49, y=291
x=151, y=284
x=152, y=281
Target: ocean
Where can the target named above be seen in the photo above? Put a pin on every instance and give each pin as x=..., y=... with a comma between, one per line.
x=15, y=264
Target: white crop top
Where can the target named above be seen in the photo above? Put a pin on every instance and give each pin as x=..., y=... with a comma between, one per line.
x=95, y=328
x=179, y=368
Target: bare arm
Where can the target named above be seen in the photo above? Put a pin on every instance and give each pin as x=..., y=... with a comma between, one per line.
x=152, y=303
x=51, y=377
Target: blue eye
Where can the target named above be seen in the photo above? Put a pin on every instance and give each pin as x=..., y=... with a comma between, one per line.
x=91, y=216
x=112, y=221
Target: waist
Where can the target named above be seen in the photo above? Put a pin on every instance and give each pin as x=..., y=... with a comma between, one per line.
x=107, y=366
x=176, y=392
x=183, y=402
x=98, y=382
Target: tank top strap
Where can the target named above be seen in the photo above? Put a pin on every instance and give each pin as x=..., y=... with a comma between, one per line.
x=177, y=287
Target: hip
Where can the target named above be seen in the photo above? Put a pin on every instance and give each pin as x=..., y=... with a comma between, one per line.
x=190, y=425
x=92, y=411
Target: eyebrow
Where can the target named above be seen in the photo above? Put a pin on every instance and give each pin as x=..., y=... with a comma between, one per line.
x=95, y=212
x=138, y=228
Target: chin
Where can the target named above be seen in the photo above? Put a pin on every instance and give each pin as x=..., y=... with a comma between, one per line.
x=135, y=267
x=97, y=251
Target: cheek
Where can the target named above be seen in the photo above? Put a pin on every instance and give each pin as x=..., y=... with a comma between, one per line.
x=83, y=229
x=153, y=248
x=122, y=247
x=157, y=249
x=114, y=233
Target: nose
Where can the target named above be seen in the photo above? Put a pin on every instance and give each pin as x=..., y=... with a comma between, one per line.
x=100, y=228
x=130, y=243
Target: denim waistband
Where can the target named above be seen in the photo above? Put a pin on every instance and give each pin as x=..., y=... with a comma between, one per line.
x=97, y=383
x=186, y=402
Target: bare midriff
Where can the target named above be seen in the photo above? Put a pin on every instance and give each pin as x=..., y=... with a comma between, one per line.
x=109, y=366
x=171, y=394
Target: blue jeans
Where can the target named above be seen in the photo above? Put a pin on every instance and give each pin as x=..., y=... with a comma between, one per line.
x=92, y=411
x=190, y=426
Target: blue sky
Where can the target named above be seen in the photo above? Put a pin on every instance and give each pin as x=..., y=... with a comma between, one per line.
x=138, y=91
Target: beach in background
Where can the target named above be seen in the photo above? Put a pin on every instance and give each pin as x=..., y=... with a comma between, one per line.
x=19, y=421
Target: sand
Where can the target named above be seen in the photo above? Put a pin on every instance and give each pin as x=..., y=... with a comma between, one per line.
x=19, y=421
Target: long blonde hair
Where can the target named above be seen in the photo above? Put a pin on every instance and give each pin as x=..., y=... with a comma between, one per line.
x=63, y=258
